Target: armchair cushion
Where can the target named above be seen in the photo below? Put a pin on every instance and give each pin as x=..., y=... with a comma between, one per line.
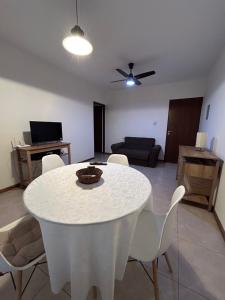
x=135, y=154
x=117, y=146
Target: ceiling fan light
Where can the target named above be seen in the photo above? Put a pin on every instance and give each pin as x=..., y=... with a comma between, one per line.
x=130, y=82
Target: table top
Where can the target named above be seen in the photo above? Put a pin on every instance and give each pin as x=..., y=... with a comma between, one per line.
x=57, y=196
x=189, y=151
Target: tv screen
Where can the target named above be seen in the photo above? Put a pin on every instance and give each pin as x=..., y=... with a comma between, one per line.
x=42, y=132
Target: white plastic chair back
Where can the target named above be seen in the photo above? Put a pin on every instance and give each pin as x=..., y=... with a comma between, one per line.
x=50, y=162
x=118, y=159
x=170, y=221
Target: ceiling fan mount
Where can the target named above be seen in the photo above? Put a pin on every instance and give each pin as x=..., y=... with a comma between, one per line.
x=132, y=79
x=131, y=65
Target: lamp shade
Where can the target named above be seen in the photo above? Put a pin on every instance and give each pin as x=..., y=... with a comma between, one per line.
x=201, y=140
x=76, y=43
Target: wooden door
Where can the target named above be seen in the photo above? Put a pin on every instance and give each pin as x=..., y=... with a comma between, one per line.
x=183, y=124
x=99, y=127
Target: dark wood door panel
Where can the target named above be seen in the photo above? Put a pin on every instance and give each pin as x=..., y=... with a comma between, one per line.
x=183, y=124
x=99, y=127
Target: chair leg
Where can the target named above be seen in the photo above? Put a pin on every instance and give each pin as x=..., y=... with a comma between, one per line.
x=168, y=262
x=155, y=279
x=19, y=285
x=95, y=292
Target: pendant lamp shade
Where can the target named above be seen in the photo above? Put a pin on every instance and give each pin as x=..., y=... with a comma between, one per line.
x=76, y=43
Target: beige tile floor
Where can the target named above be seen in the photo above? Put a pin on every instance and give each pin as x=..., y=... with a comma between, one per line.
x=197, y=253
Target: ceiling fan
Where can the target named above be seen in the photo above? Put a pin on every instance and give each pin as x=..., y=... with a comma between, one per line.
x=132, y=79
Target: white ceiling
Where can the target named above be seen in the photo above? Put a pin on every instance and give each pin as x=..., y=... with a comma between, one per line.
x=180, y=39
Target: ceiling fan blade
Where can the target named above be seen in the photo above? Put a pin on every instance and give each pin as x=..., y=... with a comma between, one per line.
x=137, y=82
x=117, y=80
x=122, y=72
x=146, y=74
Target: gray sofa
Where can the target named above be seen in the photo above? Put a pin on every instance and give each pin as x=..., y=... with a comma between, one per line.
x=140, y=151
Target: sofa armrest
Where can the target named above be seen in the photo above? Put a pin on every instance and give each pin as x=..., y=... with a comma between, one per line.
x=153, y=156
x=115, y=147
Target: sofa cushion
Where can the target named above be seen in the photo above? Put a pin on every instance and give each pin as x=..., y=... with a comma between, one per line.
x=135, y=153
x=22, y=243
x=139, y=143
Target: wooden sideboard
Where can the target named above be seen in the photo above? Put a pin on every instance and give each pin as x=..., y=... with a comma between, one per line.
x=24, y=155
x=199, y=172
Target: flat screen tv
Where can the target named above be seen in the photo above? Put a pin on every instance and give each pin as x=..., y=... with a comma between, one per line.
x=44, y=132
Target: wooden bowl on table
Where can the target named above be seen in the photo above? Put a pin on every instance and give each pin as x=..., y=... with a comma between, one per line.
x=89, y=175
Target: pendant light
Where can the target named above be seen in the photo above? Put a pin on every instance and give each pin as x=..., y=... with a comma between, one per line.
x=76, y=43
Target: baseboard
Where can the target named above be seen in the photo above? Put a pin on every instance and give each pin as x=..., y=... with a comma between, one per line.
x=9, y=188
x=86, y=160
x=222, y=230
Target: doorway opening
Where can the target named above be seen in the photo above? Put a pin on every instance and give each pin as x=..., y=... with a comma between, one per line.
x=183, y=125
x=99, y=127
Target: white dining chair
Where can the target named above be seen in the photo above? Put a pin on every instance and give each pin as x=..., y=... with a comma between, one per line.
x=154, y=235
x=118, y=159
x=50, y=162
x=21, y=247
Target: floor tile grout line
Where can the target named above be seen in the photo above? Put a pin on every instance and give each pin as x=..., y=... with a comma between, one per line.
x=167, y=277
x=201, y=245
x=194, y=291
x=38, y=292
x=66, y=292
x=45, y=273
x=183, y=285
x=35, y=294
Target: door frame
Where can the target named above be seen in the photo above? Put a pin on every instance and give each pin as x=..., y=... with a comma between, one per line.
x=95, y=103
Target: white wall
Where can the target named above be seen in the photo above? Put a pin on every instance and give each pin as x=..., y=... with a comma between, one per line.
x=215, y=125
x=143, y=111
x=33, y=90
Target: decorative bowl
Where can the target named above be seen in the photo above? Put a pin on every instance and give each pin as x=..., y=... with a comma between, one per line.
x=89, y=175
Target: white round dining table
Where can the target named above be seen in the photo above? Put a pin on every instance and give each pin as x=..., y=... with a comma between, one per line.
x=87, y=229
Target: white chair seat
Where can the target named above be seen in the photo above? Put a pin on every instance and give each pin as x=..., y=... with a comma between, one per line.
x=147, y=236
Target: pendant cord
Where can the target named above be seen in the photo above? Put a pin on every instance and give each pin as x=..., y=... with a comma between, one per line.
x=76, y=12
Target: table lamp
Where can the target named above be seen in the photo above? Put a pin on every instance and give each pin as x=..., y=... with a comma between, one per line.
x=201, y=141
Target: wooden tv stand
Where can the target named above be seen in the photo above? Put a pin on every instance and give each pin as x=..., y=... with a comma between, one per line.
x=24, y=156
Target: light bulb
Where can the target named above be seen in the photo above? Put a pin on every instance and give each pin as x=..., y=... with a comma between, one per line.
x=77, y=45
x=130, y=82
